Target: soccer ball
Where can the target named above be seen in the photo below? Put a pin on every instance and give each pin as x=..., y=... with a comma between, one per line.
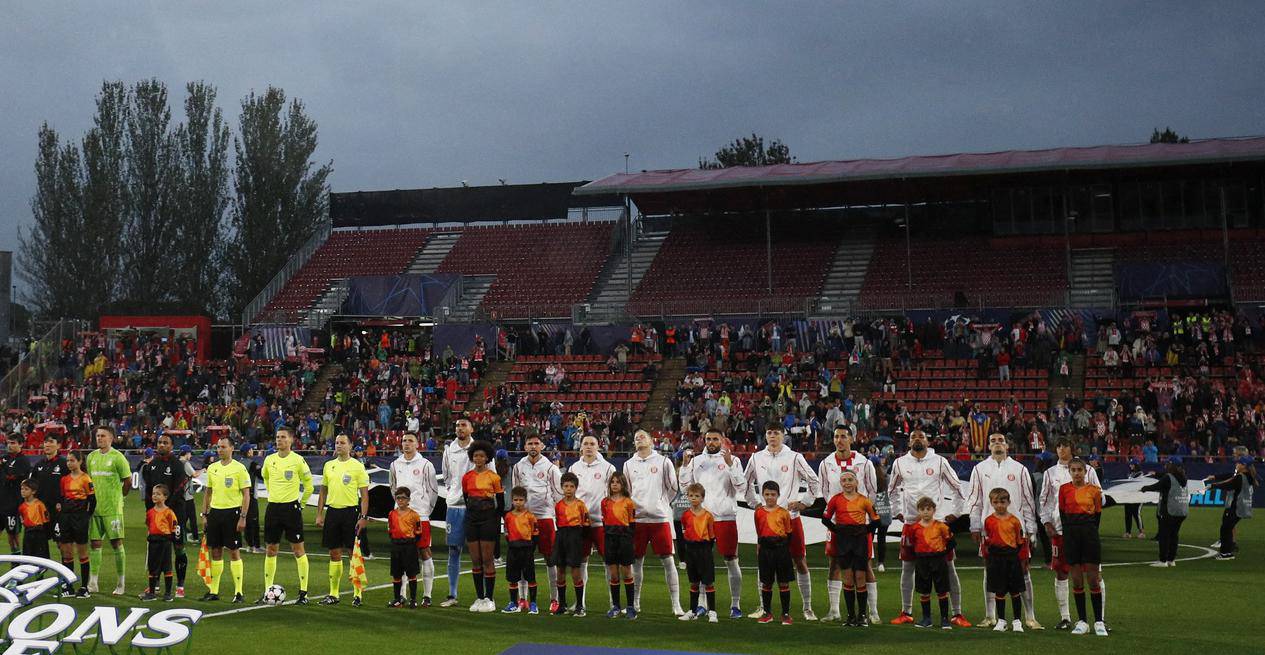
x=275, y=595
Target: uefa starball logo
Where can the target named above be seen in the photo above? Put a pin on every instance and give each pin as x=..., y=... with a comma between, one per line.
x=32, y=627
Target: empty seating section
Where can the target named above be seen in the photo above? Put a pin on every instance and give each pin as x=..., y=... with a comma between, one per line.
x=540, y=269
x=594, y=388
x=345, y=254
x=1247, y=253
x=940, y=381
x=719, y=265
x=992, y=272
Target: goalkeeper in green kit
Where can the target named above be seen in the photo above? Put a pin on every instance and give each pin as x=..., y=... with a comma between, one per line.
x=112, y=478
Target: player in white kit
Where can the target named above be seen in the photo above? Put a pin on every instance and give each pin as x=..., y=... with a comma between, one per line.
x=1056, y=476
x=999, y=471
x=790, y=471
x=416, y=473
x=593, y=472
x=830, y=470
x=654, y=485
x=721, y=474
x=921, y=472
x=543, y=482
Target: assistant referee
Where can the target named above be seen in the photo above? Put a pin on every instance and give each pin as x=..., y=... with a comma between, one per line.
x=224, y=509
x=289, y=483
x=345, y=488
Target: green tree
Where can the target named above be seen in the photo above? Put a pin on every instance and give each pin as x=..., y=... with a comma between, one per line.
x=281, y=198
x=749, y=151
x=104, y=201
x=203, y=141
x=49, y=258
x=1167, y=136
x=152, y=253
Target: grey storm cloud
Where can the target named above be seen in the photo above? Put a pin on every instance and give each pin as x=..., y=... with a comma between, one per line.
x=420, y=94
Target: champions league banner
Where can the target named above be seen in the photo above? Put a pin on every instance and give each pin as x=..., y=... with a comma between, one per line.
x=35, y=621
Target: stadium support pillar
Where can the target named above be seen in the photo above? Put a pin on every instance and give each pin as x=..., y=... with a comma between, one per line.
x=909, y=264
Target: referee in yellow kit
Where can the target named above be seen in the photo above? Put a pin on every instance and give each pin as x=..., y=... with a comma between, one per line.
x=345, y=487
x=224, y=507
x=289, y=483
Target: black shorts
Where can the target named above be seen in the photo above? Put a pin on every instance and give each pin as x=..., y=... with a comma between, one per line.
x=619, y=546
x=1081, y=544
x=700, y=562
x=852, y=552
x=340, y=528
x=774, y=563
x=404, y=560
x=12, y=523
x=482, y=525
x=35, y=543
x=931, y=572
x=1004, y=573
x=71, y=528
x=221, y=529
x=568, y=547
x=283, y=519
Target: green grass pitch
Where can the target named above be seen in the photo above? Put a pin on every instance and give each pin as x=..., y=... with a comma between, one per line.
x=1202, y=605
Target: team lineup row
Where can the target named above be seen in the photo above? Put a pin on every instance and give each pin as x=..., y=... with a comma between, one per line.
x=622, y=515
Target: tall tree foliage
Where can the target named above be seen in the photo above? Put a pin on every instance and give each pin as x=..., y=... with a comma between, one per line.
x=203, y=142
x=281, y=198
x=749, y=152
x=152, y=255
x=47, y=259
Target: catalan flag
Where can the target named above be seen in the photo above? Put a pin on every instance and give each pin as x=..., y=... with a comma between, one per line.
x=204, y=563
x=359, y=579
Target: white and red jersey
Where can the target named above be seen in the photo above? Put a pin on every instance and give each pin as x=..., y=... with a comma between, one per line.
x=931, y=476
x=418, y=475
x=722, y=481
x=654, y=486
x=1006, y=474
x=593, y=478
x=789, y=470
x=454, y=465
x=832, y=467
x=1054, y=477
x=543, y=482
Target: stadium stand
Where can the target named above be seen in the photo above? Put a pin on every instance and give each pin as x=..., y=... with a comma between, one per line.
x=541, y=269
x=718, y=265
x=983, y=270
x=347, y=253
x=567, y=385
x=939, y=381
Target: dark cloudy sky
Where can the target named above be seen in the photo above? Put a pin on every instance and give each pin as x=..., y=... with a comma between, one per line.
x=412, y=94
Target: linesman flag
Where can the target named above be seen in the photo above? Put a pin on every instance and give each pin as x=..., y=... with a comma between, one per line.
x=204, y=563
x=359, y=579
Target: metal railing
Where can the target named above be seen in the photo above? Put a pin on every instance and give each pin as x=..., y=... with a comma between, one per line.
x=39, y=363
x=327, y=305
x=292, y=266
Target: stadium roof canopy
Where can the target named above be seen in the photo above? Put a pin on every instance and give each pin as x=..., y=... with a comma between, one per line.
x=506, y=202
x=831, y=177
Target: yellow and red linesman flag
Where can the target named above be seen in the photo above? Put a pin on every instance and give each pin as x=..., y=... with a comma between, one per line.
x=204, y=563
x=359, y=579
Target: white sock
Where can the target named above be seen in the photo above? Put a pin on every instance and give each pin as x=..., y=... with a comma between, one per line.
x=990, y=607
x=1102, y=587
x=955, y=590
x=551, y=572
x=1029, y=610
x=907, y=587
x=871, y=593
x=735, y=582
x=805, y=583
x=638, y=573
x=1061, y=595
x=833, y=589
x=673, y=579
x=428, y=576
